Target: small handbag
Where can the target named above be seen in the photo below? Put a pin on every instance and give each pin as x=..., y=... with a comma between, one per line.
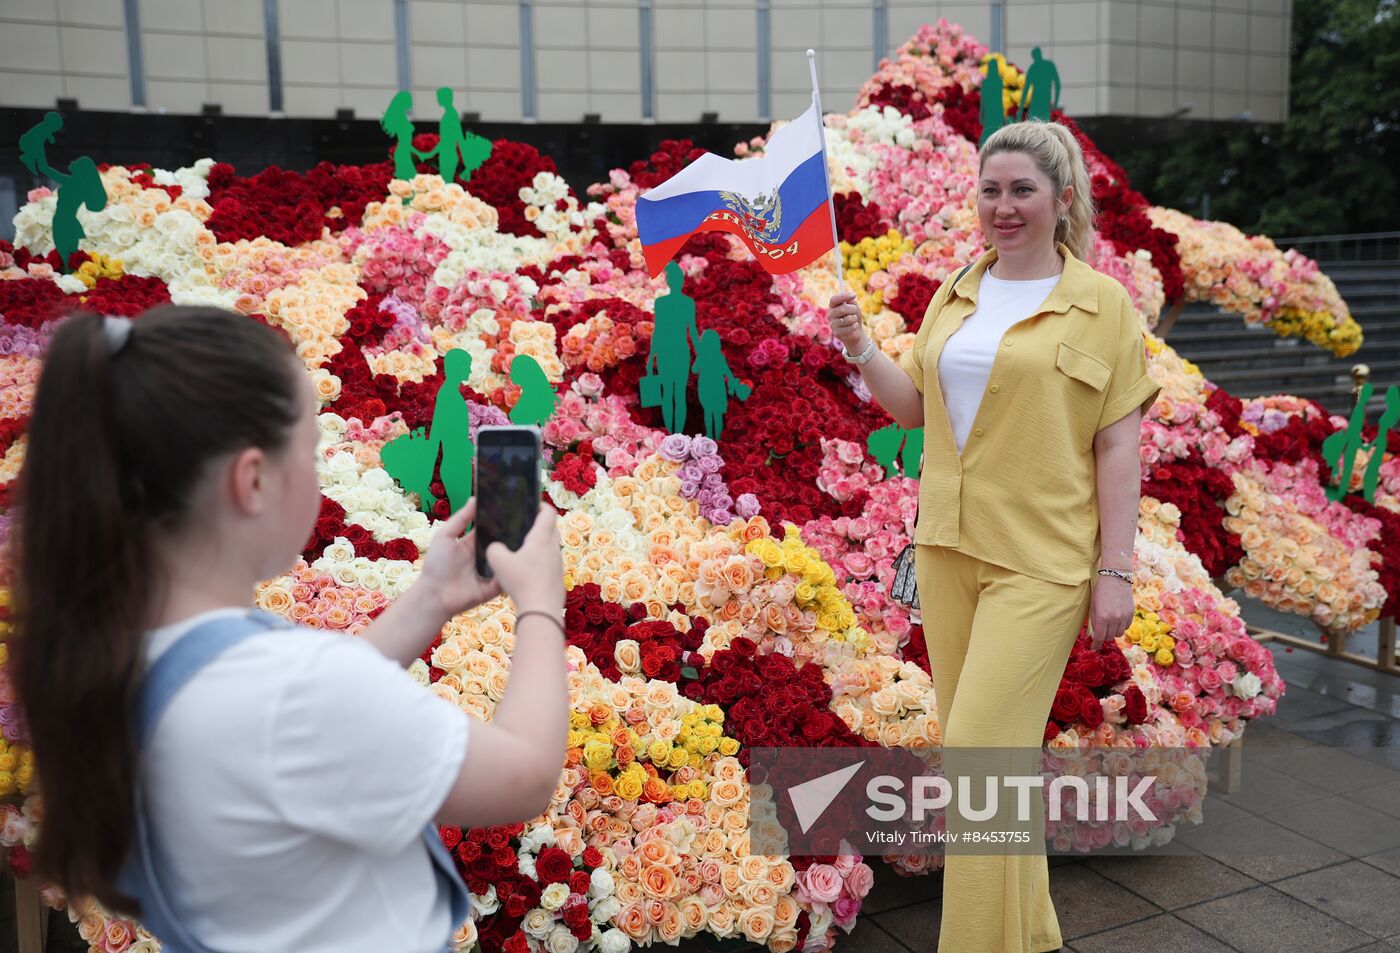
x=904, y=588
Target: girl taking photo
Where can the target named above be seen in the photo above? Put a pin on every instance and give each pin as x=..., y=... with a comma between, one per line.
x=234, y=781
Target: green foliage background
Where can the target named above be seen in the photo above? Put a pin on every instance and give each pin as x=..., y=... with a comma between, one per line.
x=1333, y=167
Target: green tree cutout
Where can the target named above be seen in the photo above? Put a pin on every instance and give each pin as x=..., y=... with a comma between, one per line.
x=1339, y=449
x=1041, y=92
x=537, y=400
x=893, y=443
x=411, y=458
x=80, y=187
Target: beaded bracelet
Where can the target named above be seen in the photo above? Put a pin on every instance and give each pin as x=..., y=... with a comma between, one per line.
x=541, y=613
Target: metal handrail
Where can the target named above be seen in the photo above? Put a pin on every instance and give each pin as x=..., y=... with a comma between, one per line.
x=1361, y=246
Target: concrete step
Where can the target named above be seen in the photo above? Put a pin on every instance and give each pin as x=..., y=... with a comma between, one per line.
x=1191, y=340
x=1383, y=374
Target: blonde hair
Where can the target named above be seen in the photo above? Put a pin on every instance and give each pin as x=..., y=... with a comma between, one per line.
x=1057, y=154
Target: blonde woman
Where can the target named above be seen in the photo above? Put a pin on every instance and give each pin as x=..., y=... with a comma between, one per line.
x=1029, y=377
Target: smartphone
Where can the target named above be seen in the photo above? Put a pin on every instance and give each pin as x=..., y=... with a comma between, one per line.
x=507, y=488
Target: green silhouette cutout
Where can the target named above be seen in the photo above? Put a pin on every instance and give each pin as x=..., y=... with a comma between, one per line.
x=993, y=112
x=409, y=459
x=1339, y=449
x=397, y=123
x=537, y=401
x=715, y=383
x=668, y=364
x=1041, y=92
x=34, y=143
x=892, y=442
x=454, y=145
x=81, y=186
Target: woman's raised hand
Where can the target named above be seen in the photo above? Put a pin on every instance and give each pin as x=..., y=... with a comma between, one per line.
x=845, y=320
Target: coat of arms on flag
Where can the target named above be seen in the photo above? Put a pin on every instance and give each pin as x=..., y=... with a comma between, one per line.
x=778, y=204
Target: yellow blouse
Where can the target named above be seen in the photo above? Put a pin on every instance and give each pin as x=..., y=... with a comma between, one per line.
x=1022, y=494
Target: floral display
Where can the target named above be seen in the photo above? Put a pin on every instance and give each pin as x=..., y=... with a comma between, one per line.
x=721, y=595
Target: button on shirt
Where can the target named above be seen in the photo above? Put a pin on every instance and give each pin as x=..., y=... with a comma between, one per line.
x=1020, y=490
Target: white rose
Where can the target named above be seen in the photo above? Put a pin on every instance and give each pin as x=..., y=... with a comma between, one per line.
x=560, y=940
x=614, y=941
x=488, y=904
x=604, y=910
x=600, y=883
x=553, y=896
x=537, y=923
x=1247, y=685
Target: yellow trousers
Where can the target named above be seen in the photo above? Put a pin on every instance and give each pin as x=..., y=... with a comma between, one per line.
x=998, y=642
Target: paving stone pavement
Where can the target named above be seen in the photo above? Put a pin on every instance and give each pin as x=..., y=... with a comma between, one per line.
x=1304, y=857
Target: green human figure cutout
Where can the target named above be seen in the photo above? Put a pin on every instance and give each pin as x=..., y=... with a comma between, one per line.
x=456, y=146
x=716, y=383
x=1042, y=90
x=993, y=112
x=537, y=400
x=81, y=186
x=409, y=459
x=884, y=445
x=1339, y=449
x=911, y=457
x=34, y=143
x=668, y=365
x=395, y=122
x=452, y=427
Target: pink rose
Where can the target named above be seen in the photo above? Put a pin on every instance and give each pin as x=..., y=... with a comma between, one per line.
x=860, y=880
x=859, y=565
x=822, y=883
x=1209, y=680
x=845, y=910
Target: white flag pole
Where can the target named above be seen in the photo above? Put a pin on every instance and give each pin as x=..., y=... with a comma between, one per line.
x=826, y=173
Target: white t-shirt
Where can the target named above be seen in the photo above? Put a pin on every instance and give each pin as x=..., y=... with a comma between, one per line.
x=966, y=360
x=289, y=783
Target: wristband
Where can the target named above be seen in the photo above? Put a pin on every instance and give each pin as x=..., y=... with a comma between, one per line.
x=546, y=615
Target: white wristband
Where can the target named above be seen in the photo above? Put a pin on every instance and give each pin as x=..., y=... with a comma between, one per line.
x=864, y=356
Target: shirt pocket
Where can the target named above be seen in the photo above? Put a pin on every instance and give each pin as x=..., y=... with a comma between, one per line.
x=1082, y=366
x=1085, y=392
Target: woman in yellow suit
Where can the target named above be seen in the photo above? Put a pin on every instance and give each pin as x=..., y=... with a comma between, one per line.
x=1029, y=377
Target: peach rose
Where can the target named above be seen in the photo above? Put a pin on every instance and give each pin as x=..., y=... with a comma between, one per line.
x=633, y=921
x=756, y=923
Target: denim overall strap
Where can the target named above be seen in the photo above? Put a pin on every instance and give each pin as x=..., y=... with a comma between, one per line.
x=175, y=667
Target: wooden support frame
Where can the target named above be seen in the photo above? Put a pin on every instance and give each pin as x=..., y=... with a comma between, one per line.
x=1384, y=661
x=31, y=914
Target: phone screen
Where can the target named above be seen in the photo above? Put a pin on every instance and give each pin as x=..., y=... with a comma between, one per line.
x=507, y=488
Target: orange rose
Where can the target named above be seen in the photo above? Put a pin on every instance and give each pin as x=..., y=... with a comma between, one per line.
x=656, y=791
x=785, y=909
x=672, y=926
x=632, y=920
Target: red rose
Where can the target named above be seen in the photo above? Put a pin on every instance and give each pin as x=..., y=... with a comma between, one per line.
x=553, y=866
x=578, y=881
x=1066, y=705
x=1090, y=711
x=515, y=908
x=576, y=914
x=592, y=857
x=1135, y=705
x=451, y=836
x=518, y=943
x=496, y=837
x=401, y=548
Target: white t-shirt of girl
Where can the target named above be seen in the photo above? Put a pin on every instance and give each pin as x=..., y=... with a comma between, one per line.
x=288, y=785
x=966, y=361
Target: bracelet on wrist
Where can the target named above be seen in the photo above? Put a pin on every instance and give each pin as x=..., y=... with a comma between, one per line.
x=864, y=356
x=1118, y=574
x=542, y=614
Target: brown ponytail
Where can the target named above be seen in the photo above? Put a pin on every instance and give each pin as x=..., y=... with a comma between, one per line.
x=118, y=442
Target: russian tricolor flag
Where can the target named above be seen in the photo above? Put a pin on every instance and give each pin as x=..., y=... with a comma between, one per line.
x=778, y=203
